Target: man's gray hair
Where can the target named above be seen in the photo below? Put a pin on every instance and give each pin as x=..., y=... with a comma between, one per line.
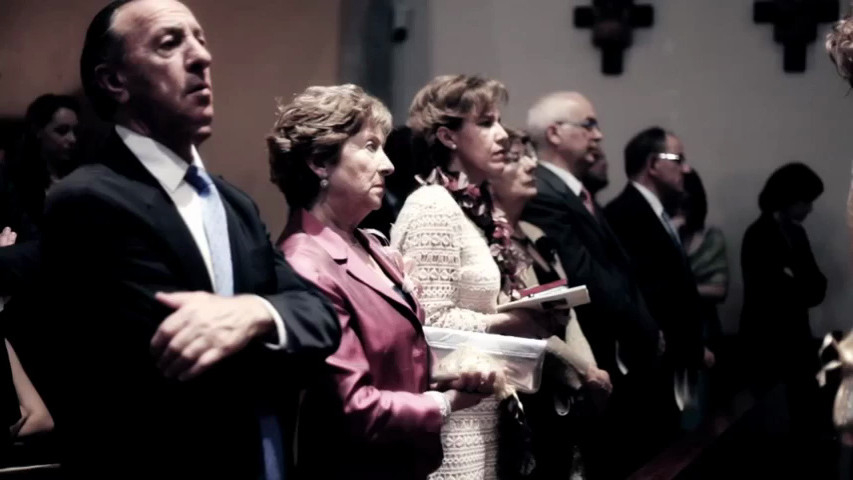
x=547, y=111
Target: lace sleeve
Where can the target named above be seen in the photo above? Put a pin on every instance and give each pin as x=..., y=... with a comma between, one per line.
x=427, y=232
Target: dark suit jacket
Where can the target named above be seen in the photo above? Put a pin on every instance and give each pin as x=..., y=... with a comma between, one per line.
x=368, y=405
x=778, y=263
x=591, y=256
x=111, y=239
x=663, y=275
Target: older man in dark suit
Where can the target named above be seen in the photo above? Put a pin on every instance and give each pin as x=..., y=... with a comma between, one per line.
x=177, y=322
x=624, y=337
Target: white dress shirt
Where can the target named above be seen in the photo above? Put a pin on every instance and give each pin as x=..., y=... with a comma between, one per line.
x=683, y=383
x=169, y=170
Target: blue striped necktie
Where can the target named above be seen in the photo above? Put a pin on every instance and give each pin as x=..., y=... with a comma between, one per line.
x=667, y=224
x=216, y=231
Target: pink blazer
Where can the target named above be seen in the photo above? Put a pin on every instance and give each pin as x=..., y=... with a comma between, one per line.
x=366, y=416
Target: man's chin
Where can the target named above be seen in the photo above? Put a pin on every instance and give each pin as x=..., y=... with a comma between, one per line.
x=202, y=133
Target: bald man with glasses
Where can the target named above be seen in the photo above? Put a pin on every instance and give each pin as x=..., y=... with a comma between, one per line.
x=623, y=335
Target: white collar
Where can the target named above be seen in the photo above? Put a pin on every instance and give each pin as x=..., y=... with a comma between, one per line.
x=165, y=165
x=650, y=197
x=566, y=176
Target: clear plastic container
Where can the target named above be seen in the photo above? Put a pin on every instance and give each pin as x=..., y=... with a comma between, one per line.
x=521, y=357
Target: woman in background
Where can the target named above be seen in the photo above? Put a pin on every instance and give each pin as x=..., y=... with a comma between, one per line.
x=571, y=379
x=45, y=154
x=705, y=247
x=22, y=409
x=781, y=283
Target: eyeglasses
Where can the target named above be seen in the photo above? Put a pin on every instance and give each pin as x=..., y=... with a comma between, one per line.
x=678, y=158
x=589, y=124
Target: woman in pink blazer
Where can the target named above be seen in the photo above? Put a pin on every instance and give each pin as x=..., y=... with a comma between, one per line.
x=371, y=413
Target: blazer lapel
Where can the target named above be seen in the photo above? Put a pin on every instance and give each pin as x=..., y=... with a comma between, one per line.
x=359, y=270
x=161, y=212
x=395, y=272
x=338, y=249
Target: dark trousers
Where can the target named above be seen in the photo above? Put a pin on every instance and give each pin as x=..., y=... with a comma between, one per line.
x=641, y=419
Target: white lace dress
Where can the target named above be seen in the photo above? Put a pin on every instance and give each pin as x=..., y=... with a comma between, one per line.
x=460, y=283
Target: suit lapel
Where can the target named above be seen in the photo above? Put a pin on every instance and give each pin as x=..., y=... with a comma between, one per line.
x=559, y=187
x=609, y=237
x=161, y=212
x=552, y=181
x=178, y=237
x=665, y=240
x=238, y=238
x=634, y=197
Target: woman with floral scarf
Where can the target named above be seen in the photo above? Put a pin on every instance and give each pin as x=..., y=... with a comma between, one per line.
x=447, y=231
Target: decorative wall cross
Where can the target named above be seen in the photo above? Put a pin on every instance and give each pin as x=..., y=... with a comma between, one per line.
x=613, y=23
x=795, y=25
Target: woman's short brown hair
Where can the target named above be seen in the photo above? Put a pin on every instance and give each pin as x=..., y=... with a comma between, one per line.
x=517, y=135
x=839, y=45
x=445, y=102
x=313, y=128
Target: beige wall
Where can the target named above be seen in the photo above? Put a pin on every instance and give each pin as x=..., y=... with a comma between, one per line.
x=705, y=70
x=262, y=49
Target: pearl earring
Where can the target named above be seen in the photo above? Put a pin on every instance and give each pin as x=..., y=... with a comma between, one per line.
x=324, y=183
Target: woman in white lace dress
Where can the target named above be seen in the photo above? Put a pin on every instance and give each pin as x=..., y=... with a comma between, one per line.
x=458, y=117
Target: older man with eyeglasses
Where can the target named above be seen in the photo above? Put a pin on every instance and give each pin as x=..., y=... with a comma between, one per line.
x=623, y=335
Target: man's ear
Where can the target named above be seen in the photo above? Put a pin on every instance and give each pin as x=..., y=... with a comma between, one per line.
x=552, y=136
x=113, y=82
x=652, y=163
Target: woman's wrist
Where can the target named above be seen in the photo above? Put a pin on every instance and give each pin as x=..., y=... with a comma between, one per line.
x=445, y=407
